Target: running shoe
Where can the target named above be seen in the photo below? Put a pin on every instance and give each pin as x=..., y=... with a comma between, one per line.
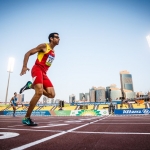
x=26, y=87
x=28, y=122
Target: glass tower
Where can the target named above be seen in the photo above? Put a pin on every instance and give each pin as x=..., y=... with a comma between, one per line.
x=126, y=81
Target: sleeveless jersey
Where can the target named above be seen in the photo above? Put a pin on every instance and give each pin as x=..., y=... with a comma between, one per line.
x=14, y=100
x=45, y=59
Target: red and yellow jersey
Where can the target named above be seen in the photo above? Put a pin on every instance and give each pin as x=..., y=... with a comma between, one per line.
x=45, y=59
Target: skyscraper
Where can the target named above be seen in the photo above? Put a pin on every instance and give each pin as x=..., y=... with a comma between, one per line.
x=100, y=94
x=113, y=92
x=87, y=98
x=126, y=84
x=71, y=98
x=92, y=94
x=126, y=80
x=20, y=98
x=81, y=95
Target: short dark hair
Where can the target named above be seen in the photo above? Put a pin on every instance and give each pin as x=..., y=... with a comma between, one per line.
x=15, y=93
x=51, y=35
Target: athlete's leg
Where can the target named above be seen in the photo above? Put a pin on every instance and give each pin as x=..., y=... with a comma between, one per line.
x=37, y=76
x=14, y=110
x=38, y=93
x=49, y=92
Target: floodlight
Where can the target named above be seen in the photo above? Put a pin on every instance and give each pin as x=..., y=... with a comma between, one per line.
x=148, y=40
x=10, y=64
x=9, y=69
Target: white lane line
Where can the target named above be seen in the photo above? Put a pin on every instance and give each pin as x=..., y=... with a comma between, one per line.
x=15, y=125
x=122, y=123
x=50, y=125
x=88, y=118
x=8, y=121
x=53, y=136
x=109, y=132
x=72, y=121
x=31, y=130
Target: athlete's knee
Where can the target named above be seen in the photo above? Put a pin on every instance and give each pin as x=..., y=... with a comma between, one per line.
x=51, y=94
x=39, y=92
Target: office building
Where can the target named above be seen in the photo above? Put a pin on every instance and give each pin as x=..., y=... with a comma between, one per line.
x=20, y=98
x=128, y=94
x=126, y=80
x=81, y=96
x=113, y=93
x=87, y=97
x=100, y=94
x=72, y=98
x=92, y=94
x=127, y=85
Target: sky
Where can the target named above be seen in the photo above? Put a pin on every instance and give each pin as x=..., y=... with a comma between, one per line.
x=98, y=39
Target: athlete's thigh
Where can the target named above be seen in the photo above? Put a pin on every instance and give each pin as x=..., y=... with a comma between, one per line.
x=46, y=82
x=14, y=106
x=37, y=76
x=48, y=86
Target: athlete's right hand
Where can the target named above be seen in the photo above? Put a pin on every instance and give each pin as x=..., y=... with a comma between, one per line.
x=23, y=71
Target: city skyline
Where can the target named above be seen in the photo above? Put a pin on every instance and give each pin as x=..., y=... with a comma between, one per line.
x=126, y=90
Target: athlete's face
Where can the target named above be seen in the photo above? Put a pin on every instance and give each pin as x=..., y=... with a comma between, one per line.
x=15, y=94
x=55, y=39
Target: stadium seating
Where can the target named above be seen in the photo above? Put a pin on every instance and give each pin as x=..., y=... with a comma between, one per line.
x=103, y=107
x=138, y=106
x=2, y=108
x=90, y=107
x=123, y=106
x=47, y=108
x=69, y=108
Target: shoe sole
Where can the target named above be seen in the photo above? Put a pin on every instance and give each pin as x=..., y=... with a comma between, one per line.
x=30, y=124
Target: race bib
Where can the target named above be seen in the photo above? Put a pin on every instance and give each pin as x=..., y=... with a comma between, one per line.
x=49, y=60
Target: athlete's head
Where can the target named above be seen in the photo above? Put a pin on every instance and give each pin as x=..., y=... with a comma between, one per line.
x=15, y=94
x=54, y=37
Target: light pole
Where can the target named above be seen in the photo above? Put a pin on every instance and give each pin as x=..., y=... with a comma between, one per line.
x=9, y=70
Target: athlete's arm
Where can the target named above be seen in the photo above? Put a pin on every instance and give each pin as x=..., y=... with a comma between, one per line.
x=39, y=48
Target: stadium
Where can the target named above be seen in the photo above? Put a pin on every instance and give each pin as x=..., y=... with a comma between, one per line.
x=67, y=85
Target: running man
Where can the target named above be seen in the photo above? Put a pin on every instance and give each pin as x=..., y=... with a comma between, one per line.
x=13, y=103
x=41, y=83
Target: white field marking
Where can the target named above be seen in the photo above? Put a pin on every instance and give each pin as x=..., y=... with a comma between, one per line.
x=110, y=132
x=129, y=116
x=126, y=120
x=3, y=116
x=6, y=135
x=122, y=123
x=89, y=118
x=84, y=119
x=50, y=121
x=50, y=125
x=15, y=125
x=73, y=121
x=32, y=130
x=51, y=137
x=8, y=121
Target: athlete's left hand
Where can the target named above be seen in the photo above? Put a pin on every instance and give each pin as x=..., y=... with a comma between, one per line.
x=23, y=71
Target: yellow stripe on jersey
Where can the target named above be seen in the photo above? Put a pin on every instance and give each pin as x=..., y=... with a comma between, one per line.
x=41, y=54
